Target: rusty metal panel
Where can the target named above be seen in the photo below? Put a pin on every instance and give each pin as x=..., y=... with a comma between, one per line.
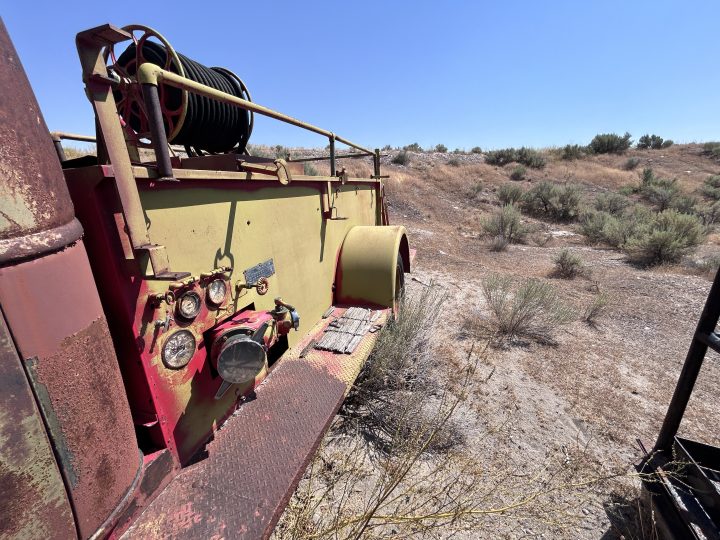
x=256, y=460
x=54, y=315
x=33, y=195
x=35, y=503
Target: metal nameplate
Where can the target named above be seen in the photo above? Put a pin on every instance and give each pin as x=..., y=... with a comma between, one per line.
x=262, y=270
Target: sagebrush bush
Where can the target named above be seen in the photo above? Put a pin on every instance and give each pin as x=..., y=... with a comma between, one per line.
x=596, y=308
x=711, y=149
x=612, y=203
x=505, y=227
x=441, y=148
x=401, y=158
x=710, y=214
x=476, y=150
x=545, y=199
x=509, y=193
x=570, y=152
x=660, y=192
x=518, y=173
x=685, y=204
x=414, y=147
x=568, y=265
x=525, y=156
x=454, y=162
x=614, y=230
x=530, y=308
x=711, y=187
x=631, y=163
x=610, y=143
x=665, y=238
x=500, y=157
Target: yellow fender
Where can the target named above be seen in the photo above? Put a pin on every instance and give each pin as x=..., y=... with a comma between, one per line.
x=366, y=270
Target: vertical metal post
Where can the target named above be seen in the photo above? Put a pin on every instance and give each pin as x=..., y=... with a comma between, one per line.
x=59, y=148
x=332, y=154
x=691, y=368
x=376, y=162
x=157, y=131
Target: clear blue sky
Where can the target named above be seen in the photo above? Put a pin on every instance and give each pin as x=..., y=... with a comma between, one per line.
x=493, y=74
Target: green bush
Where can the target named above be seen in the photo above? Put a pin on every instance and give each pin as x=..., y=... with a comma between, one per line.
x=561, y=202
x=454, y=162
x=501, y=157
x=666, y=238
x=610, y=143
x=710, y=214
x=505, y=227
x=476, y=150
x=667, y=143
x=612, y=203
x=711, y=187
x=509, y=193
x=441, y=148
x=614, y=230
x=401, y=158
x=652, y=141
x=684, y=204
x=525, y=156
x=568, y=264
x=711, y=149
x=570, y=152
x=660, y=192
x=631, y=163
x=414, y=147
x=518, y=173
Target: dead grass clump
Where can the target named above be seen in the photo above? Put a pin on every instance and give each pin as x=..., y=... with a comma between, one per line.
x=530, y=308
x=504, y=227
x=568, y=265
x=397, y=379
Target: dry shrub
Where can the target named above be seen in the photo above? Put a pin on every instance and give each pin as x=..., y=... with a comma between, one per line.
x=554, y=201
x=596, y=308
x=568, y=265
x=509, y=193
x=504, y=227
x=530, y=308
x=397, y=377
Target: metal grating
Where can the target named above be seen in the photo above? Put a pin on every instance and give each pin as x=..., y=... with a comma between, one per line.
x=344, y=334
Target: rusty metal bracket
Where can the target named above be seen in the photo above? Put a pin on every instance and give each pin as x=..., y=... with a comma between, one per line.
x=278, y=168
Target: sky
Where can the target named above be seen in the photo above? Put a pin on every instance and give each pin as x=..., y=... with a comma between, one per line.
x=464, y=74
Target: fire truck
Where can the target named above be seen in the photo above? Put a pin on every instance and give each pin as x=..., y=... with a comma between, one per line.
x=181, y=320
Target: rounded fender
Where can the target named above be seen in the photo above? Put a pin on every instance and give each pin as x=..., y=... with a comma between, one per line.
x=367, y=265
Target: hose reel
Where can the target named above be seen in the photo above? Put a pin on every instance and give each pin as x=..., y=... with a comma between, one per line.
x=196, y=122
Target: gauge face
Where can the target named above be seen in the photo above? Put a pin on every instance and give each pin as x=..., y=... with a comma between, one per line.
x=189, y=305
x=216, y=291
x=178, y=349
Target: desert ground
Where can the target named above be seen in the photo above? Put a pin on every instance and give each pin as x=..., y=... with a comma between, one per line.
x=538, y=436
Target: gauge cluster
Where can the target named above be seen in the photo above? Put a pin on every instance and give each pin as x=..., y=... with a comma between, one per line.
x=184, y=304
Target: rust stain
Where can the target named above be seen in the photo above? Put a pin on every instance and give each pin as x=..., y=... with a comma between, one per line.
x=34, y=500
x=102, y=456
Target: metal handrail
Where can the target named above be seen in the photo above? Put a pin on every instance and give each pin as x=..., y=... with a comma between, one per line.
x=150, y=75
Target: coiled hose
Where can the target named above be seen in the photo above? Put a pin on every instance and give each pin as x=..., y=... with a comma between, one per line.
x=208, y=125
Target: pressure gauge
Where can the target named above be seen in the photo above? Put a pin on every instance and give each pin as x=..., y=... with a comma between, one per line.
x=189, y=305
x=216, y=291
x=178, y=349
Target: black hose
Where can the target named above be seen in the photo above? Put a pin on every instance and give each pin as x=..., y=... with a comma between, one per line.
x=209, y=125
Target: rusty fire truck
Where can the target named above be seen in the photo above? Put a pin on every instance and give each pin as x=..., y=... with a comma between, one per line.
x=180, y=320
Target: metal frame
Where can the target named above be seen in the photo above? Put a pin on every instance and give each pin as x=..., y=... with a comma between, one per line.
x=682, y=475
x=92, y=45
